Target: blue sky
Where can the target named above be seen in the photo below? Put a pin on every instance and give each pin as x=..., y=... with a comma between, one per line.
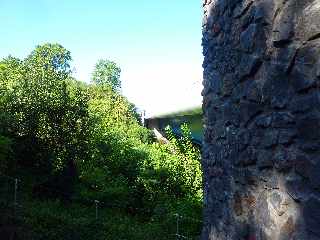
x=157, y=44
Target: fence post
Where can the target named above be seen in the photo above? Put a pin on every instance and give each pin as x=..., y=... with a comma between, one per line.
x=177, y=227
x=15, y=195
x=97, y=205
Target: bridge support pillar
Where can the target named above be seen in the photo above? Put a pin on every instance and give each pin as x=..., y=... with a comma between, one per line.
x=261, y=102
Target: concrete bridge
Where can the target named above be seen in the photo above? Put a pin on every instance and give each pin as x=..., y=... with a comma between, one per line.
x=192, y=116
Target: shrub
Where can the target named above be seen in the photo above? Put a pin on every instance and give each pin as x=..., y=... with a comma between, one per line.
x=6, y=159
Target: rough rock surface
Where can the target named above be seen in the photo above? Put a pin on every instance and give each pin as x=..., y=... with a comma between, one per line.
x=261, y=102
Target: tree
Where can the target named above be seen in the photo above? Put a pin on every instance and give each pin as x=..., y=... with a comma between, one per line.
x=44, y=108
x=11, y=71
x=54, y=59
x=57, y=114
x=107, y=72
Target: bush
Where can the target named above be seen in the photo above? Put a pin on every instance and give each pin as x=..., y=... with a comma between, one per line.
x=82, y=142
x=6, y=158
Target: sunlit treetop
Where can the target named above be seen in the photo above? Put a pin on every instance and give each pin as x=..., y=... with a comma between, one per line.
x=50, y=57
x=107, y=72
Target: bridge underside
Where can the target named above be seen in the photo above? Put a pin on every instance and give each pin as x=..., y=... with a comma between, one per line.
x=194, y=122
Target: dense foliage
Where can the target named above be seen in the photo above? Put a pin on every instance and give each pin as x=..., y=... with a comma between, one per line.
x=74, y=143
x=107, y=72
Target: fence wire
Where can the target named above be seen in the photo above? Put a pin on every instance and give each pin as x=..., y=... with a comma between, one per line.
x=13, y=207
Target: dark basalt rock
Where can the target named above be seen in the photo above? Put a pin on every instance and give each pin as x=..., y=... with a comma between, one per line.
x=282, y=119
x=248, y=37
x=230, y=114
x=264, y=11
x=317, y=66
x=228, y=85
x=242, y=8
x=283, y=27
x=305, y=103
x=276, y=88
x=298, y=188
x=270, y=138
x=287, y=229
x=264, y=120
x=309, y=27
x=257, y=137
x=212, y=83
x=286, y=136
x=264, y=215
x=315, y=176
x=308, y=146
x=303, y=165
x=254, y=93
x=285, y=57
x=248, y=110
x=282, y=160
x=308, y=126
x=304, y=72
x=243, y=139
x=262, y=116
x=265, y=159
x=245, y=177
x=312, y=215
x=249, y=65
x=247, y=157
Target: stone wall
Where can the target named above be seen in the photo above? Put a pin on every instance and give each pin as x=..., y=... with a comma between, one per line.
x=261, y=104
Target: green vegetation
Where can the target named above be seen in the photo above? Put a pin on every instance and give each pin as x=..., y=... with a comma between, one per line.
x=71, y=143
x=107, y=72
